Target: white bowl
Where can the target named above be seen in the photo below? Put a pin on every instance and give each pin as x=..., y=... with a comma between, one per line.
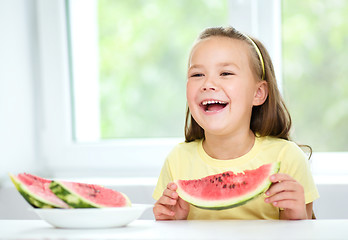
x=91, y=217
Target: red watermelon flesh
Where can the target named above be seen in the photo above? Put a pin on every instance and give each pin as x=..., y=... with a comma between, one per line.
x=83, y=195
x=104, y=197
x=36, y=191
x=228, y=189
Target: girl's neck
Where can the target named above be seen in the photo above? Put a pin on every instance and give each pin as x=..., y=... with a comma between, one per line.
x=228, y=147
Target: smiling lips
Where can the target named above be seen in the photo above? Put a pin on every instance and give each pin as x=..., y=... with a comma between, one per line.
x=213, y=105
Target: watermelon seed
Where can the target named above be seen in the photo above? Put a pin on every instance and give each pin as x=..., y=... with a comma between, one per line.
x=224, y=186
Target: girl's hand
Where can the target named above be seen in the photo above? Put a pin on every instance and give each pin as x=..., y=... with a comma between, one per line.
x=287, y=193
x=170, y=206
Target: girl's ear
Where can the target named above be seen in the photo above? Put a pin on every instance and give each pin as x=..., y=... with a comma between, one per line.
x=261, y=93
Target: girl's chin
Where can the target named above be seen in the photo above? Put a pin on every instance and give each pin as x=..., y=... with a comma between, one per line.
x=215, y=129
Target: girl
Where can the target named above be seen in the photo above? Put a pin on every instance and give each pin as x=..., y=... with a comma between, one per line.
x=236, y=120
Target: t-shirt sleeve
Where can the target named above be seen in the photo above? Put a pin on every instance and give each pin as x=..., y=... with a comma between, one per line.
x=295, y=163
x=165, y=177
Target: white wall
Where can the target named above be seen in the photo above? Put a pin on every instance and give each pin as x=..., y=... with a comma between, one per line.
x=17, y=64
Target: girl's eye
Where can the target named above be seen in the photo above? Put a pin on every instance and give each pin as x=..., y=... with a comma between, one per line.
x=226, y=74
x=197, y=75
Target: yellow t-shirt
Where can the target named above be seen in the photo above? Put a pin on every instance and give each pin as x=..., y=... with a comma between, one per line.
x=190, y=161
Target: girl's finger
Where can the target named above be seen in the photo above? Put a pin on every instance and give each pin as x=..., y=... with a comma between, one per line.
x=281, y=177
x=286, y=204
x=172, y=186
x=162, y=210
x=164, y=200
x=281, y=197
x=170, y=193
x=288, y=186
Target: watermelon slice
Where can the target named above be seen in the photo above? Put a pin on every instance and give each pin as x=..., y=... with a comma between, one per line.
x=36, y=191
x=83, y=195
x=228, y=189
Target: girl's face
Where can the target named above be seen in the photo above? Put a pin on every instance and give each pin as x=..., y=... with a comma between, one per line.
x=221, y=87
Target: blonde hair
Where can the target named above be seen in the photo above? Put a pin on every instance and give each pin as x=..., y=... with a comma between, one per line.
x=269, y=119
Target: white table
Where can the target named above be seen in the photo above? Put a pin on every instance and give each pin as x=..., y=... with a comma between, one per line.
x=148, y=229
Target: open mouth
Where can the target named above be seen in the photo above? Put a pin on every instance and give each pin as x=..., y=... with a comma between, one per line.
x=213, y=105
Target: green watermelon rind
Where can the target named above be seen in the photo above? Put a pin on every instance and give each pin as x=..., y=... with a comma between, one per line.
x=69, y=197
x=31, y=198
x=226, y=204
x=75, y=200
x=36, y=202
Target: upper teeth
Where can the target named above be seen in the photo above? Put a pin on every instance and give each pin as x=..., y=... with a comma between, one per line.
x=212, y=102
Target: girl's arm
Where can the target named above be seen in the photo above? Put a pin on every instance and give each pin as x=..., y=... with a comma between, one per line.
x=288, y=194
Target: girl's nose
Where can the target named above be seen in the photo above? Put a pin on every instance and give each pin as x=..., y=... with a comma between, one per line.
x=209, y=85
x=208, y=88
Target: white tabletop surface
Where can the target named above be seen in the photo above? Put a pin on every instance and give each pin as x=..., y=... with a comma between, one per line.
x=149, y=229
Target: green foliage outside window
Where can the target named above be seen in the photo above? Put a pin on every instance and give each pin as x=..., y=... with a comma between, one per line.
x=315, y=82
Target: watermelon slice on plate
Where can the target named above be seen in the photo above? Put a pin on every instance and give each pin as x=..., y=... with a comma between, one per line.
x=228, y=189
x=83, y=195
x=36, y=191
x=45, y=193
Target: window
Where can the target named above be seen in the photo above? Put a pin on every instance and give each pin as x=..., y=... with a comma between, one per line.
x=104, y=98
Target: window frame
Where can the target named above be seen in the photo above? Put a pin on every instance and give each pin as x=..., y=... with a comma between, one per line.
x=60, y=155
